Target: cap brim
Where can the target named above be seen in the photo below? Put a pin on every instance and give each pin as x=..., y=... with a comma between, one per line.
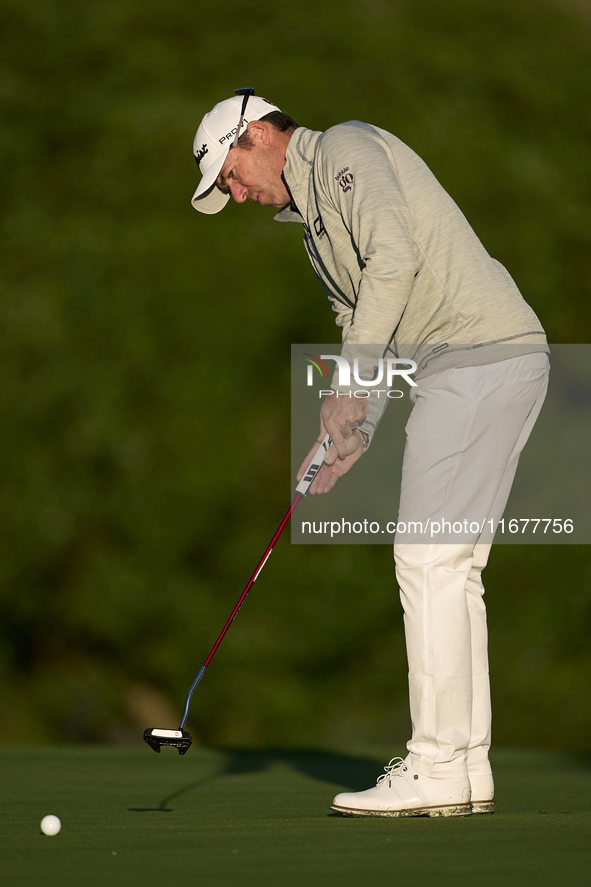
x=207, y=198
x=211, y=202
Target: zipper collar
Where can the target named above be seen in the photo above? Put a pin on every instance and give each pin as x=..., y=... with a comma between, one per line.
x=299, y=159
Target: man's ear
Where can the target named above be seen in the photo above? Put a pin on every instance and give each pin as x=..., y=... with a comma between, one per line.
x=258, y=130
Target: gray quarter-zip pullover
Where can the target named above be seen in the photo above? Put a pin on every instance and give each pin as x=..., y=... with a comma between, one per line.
x=398, y=259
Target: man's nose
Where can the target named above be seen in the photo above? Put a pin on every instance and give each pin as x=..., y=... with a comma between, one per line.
x=238, y=192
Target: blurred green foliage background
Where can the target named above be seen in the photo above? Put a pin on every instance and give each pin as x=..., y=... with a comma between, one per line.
x=145, y=436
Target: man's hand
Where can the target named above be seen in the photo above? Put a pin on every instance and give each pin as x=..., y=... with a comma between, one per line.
x=339, y=416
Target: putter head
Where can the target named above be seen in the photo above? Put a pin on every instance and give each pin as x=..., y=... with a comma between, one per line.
x=178, y=739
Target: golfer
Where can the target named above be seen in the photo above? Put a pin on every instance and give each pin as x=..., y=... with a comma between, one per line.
x=408, y=279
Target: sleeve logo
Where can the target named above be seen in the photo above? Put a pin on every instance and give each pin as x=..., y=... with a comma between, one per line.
x=345, y=179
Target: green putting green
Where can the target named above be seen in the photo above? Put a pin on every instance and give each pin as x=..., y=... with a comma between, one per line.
x=246, y=817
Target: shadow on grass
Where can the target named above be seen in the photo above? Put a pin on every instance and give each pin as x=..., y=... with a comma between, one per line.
x=163, y=805
x=348, y=772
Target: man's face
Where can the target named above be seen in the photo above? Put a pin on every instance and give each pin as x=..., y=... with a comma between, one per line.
x=255, y=174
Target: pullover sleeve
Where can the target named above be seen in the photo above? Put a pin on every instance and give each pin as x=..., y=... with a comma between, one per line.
x=359, y=179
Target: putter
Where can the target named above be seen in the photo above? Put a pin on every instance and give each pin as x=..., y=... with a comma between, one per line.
x=180, y=738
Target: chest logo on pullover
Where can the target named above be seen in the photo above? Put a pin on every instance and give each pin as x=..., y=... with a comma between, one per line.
x=319, y=227
x=345, y=179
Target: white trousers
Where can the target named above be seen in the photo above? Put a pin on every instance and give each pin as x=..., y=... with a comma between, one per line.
x=464, y=436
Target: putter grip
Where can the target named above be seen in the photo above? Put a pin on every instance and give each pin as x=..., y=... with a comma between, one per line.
x=314, y=466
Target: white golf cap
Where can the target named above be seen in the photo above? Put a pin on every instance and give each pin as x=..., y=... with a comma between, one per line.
x=214, y=139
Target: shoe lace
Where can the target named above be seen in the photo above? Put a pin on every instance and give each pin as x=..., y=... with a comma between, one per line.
x=396, y=767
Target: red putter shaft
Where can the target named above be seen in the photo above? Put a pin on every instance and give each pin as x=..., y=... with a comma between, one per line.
x=253, y=578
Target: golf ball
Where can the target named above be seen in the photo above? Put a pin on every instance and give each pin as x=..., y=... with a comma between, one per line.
x=50, y=825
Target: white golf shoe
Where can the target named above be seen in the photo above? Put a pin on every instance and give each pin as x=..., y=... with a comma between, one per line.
x=483, y=793
x=401, y=791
